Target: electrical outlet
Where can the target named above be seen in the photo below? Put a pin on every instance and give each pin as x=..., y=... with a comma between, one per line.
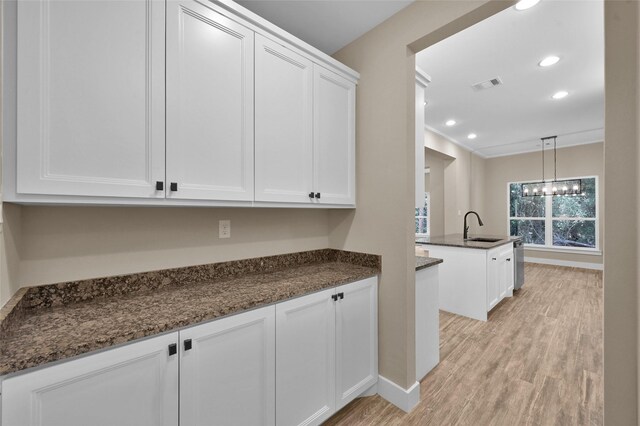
x=224, y=229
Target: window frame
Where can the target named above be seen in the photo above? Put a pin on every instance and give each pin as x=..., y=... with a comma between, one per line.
x=548, y=221
x=427, y=204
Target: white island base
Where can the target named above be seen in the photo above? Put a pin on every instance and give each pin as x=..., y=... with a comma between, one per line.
x=472, y=280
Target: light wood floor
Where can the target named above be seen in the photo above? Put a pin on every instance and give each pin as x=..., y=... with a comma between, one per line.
x=537, y=361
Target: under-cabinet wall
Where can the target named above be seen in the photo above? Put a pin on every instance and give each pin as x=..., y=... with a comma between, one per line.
x=70, y=243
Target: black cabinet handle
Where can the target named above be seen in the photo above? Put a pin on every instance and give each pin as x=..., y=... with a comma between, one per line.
x=493, y=258
x=159, y=185
x=509, y=259
x=341, y=295
x=187, y=345
x=311, y=195
x=173, y=186
x=317, y=195
x=173, y=349
x=334, y=297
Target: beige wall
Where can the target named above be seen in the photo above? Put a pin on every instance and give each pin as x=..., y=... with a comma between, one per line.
x=384, y=220
x=435, y=187
x=464, y=176
x=70, y=243
x=584, y=160
x=10, y=252
x=621, y=155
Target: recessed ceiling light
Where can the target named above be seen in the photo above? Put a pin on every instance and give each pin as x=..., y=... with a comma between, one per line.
x=548, y=61
x=526, y=4
x=561, y=94
x=472, y=136
x=450, y=123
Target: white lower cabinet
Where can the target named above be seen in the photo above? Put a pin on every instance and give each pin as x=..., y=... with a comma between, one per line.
x=499, y=275
x=135, y=385
x=227, y=371
x=326, y=352
x=356, y=340
x=305, y=359
x=296, y=362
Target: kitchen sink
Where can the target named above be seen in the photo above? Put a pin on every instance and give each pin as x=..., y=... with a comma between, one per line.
x=485, y=239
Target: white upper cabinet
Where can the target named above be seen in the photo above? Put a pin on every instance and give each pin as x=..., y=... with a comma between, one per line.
x=171, y=102
x=209, y=105
x=90, y=98
x=283, y=133
x=334, y=134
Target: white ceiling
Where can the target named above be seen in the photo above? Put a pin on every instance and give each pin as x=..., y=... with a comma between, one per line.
x=512, y=118
x=328, y=25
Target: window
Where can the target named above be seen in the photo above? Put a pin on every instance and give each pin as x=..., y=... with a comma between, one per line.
x=564, y=221
x=422, y=217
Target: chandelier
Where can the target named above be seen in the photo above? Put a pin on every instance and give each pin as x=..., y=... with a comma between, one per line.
x=545, y=187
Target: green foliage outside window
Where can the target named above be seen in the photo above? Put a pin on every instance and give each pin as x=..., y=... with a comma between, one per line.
x=571, y=218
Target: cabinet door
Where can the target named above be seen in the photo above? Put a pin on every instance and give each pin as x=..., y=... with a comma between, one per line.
x=135, y=385
x=227, y=377
x=356, y=339
x=90, y=98
x=209, y=104
x=493, y=278
x=506, y=272
x=283, y=133
x=305, y=359
x=333, y=137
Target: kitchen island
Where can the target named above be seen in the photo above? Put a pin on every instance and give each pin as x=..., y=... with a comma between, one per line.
x=476, y=274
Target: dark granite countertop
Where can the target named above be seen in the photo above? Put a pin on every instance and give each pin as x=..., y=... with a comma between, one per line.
x=456, y=240
x=53, y=322
x=423, y=262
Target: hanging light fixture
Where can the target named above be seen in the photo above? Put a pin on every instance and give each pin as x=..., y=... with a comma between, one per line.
x=555, y=187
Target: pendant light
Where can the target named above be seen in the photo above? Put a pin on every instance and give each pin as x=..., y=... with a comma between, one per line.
x=555, y=187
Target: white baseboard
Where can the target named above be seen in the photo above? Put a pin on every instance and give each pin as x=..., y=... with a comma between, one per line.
x=404, y=399
x=555, y=262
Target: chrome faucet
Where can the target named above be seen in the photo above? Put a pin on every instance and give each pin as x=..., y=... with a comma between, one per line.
x=465, y=234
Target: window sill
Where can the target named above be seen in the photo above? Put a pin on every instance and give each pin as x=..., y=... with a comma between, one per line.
x=572, y=250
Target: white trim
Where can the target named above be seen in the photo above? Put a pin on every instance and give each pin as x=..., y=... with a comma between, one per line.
x=571, y=250
x=422, y=77
x=570, y=263
x=455, y=142
x=259, y=24
x=404, y=399
x=529, y=151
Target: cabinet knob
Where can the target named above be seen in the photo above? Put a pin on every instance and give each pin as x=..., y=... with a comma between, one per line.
x=318, y=195
x=311, y=195
x=341, y=295
x=334, y=297
x=173, y=349
x=173, y=186
x=187, y=345
x=159, y=185
x=509, y=259
x=493, y=258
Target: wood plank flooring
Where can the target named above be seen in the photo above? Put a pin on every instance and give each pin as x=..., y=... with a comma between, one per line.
x=537, y=361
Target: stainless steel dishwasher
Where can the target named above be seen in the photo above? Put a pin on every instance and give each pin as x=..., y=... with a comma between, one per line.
x=518, y=253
